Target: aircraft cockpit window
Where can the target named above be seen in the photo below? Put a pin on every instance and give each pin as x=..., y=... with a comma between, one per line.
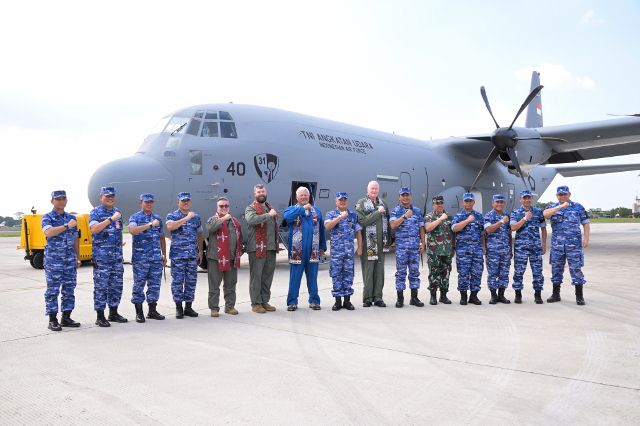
x=210, y=129
x=228, y=129
x=224, y=115
x=211, y=115
x=177, y=125
x=194, y=127
x=198, y=114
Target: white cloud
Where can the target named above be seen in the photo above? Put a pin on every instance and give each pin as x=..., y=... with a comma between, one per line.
x=557, y=76
x=590, y=19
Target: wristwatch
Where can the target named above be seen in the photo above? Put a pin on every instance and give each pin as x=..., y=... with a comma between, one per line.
x=110, y=220
x=66, y=226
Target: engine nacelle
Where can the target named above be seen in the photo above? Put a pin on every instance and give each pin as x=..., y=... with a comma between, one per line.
x=530, y=152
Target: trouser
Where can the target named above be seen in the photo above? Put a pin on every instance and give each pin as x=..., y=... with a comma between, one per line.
x=439, y=270
x=261, y=271
x=407, y=258
x=567, y=253
x=498, y=265
x=230, y=279
x=149, y=273
x=310, y=270
x=184, y=274
x=107, y=284
x=373, y=277
x=341, y=272
x=60, y=280
x=520, y=257
x=469, y=263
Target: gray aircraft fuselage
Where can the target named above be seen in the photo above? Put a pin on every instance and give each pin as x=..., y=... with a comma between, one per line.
x=246, y=145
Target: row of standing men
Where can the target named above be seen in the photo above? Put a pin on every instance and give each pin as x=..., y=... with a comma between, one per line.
x=370, y=224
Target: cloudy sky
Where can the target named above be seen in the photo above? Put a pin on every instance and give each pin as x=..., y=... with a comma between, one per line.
x=82, y=83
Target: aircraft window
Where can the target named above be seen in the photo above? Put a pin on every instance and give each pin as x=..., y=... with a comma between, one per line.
x=194, y=127
x=196, y=162
x=228, y=129
x=211, y=116
x=159, y=127
x=224, y=115
x=198, y=114
x=177, y=125
x=209, y=129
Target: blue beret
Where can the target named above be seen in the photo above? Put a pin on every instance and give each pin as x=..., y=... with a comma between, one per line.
x=107, y=190
x=341, y=195
x=183, y=196
x=468, y=196
x=563, y=189
x=404, y=190
x=525, y=193
x=58, y=194
x=147, y=197
x=498, y=197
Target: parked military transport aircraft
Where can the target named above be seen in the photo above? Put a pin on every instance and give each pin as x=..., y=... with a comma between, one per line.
x=225, y=149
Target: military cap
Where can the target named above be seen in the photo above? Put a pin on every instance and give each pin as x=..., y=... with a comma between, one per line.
x=468, y=196
x=61, y=193
x=340, y=195
x=404, y=190
x=525, y=193
x=498, y=197
x=147, y=197
x=563, y=189
x=437, y=198
x=184, y=196
x=107, y=190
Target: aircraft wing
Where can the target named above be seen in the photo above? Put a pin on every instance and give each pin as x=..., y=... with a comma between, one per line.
x=572, y=171
x=597, y=139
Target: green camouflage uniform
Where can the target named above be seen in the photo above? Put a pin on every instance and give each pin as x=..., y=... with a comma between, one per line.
x=440, y=249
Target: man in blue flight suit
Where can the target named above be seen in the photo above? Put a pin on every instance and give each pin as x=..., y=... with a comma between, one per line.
x=148, y=258
x=343, y=228
x=61, y=258
x=306, y=244
x=567, y=242
x=407, y=220
x=185, y=253
x=528, y=223
x=468, y=225
x=498, y=242
x=105, y=222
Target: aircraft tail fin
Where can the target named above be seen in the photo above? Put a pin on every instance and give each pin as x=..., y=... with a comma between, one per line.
x=534, y=110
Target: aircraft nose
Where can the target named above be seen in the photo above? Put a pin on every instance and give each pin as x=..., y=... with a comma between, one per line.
x=132, y=176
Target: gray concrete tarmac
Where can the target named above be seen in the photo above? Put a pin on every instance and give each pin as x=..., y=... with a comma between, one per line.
x=491, y=364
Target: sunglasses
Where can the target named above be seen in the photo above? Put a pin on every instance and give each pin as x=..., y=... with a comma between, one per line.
x=223, y=206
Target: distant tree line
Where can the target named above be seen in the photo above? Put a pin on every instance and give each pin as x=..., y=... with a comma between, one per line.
x=9, y=221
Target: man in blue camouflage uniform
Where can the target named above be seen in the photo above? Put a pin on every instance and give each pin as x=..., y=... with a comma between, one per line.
x=468, y=225
x=567, y=242
x=61, y=258
x=148, y=258
x=185, y=253
x=343, y=228
x=105, y=222
x=407, y=220
x=498, y=241
x=528, y=223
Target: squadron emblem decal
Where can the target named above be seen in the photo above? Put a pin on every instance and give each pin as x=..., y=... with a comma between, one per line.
x=266, y=166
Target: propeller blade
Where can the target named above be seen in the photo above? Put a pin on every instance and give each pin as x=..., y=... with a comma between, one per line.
x=481, y=138
x=526, y=103
x=486, y=103
x=514, y=160
x=544, y=138
x=624, y=115
x=490, y=159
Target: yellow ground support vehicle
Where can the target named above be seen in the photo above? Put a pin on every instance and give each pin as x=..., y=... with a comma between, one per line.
x=33, y=241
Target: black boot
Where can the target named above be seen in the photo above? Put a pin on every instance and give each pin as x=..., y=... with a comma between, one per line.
x=414, y=298
x=555, y=297
x=501, y=297
x=153, y=313
x=433, y=300
x=400, y=302
x=67, y=321
x=579, y=298
x=115, y=316
x=139, y=313
x=188, y=310
x=518, y=298
x=53, y=323
x=101, y=321
x=179, y=310
x=494, y=297
x=463, y=297
x=338, y=305
x=474, y=298
x=347, y=304
x=537, y=296
x=443, y=297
